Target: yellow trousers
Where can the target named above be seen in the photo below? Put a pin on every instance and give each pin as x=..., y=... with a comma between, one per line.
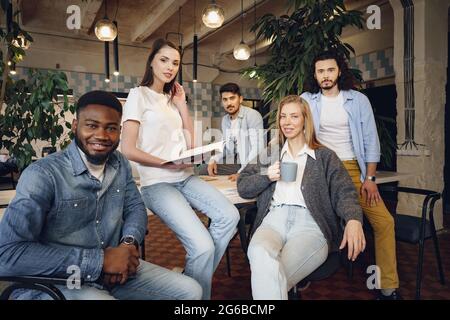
x=382, y=224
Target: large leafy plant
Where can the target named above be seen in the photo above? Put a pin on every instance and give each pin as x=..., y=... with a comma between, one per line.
x=31, y=110
x=295, y=39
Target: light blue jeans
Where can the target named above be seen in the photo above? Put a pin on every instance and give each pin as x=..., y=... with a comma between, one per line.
x=151, y=282
x=286, y=247
x=173, y=203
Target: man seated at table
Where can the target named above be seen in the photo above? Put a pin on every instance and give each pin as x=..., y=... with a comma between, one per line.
x=79, y=209
x=242, y=129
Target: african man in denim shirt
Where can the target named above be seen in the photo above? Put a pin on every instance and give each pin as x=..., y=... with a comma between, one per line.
x=81, y=208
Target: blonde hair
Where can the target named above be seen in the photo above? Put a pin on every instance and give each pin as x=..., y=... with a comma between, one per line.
x=308, y=124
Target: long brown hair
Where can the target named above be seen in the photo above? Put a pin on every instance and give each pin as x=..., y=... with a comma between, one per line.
x=308, y=124
x=346, y=80
x=147, y=80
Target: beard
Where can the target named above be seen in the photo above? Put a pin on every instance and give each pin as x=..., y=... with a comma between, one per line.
x=231, y=113
x=328, y=86
x=96, y=159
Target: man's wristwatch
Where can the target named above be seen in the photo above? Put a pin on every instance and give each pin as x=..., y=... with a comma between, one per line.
x=371, y=178
x=129, y=239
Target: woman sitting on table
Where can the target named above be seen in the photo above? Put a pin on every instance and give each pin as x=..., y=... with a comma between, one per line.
x=297, y=223
x=156, y=126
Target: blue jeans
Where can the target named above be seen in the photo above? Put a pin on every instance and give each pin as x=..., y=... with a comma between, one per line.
x=151, y=282
x=173, y=203
x=287, y=247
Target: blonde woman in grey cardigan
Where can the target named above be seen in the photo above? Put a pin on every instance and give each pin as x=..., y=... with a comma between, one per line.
x=298, y=223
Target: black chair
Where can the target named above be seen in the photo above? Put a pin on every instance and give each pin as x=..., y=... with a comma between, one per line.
x=416, y=230
x=41, y=283
x=48, y=150
x=143, y=246
x=334, y=261
x=7, y=170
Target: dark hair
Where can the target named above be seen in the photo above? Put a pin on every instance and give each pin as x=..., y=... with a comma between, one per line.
x=99, y=97
x=147, y=80
x=346, y=80
x=230, y=87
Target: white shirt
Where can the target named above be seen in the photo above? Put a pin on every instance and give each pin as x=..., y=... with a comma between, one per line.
x=160, y=133
x=291, y=192
x=334, y=130
x=97, y=170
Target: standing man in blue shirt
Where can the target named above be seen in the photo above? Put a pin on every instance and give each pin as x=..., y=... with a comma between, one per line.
x=80, y=209
x=242, y=129
x=345, y=123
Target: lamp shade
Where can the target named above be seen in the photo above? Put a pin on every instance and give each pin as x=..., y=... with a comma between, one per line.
x=105, y=30
x=213, y=16
x=241, y=51
x=21, y=42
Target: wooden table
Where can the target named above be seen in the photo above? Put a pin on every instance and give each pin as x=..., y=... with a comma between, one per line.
x=5, y=198
x=390, y=176
x=227, y=187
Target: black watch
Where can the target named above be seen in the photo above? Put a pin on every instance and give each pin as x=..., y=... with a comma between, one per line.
x=371, y=178
x=130, y=240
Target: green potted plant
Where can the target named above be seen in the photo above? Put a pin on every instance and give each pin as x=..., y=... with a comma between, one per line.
x=312, y=27
x=29, y=110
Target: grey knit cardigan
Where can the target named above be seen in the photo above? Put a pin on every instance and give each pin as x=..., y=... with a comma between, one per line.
x=327, y=188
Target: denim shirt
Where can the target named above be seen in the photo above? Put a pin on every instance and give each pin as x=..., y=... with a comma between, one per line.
x=362, y=125
x=250, y=136
x=63, y=216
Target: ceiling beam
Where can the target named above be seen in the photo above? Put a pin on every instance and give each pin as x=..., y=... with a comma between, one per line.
x=151, y=22
x=88, y=14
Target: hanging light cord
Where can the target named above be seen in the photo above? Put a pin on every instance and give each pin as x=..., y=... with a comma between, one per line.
x=117, y=9
x=255, y=32
x=180, y=41
x=195, y=16
x=242, y=19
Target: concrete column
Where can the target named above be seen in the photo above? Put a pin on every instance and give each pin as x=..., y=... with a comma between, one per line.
x=430, y=63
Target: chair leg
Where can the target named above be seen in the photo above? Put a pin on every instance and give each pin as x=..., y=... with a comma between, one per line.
x=143, y=250
x=438, y=256
x=419, y=270
x=293, y=294
x=242, y=233
x=350, y=270
x=228, y=261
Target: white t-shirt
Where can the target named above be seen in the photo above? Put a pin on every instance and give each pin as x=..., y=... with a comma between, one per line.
x=97, y=170
x=160, y=133
x=334, y=130
x=291, y=192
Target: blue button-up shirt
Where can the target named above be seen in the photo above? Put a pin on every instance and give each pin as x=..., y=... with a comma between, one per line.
x=63, y=216
x=250, y=136
x=362, y=125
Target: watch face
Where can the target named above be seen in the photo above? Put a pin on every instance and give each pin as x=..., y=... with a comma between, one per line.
x=128, y=240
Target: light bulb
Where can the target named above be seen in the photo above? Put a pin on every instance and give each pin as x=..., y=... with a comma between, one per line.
x=116, y=73
x=21, y=42
x=213, y=16
x=241, y=51
x=105, y=30
x=107, y=80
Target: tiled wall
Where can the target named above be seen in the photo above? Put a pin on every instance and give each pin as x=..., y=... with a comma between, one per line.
x=204, y=98
x=375, y=65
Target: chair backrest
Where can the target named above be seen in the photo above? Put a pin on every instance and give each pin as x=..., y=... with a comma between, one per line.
x=428, y=203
